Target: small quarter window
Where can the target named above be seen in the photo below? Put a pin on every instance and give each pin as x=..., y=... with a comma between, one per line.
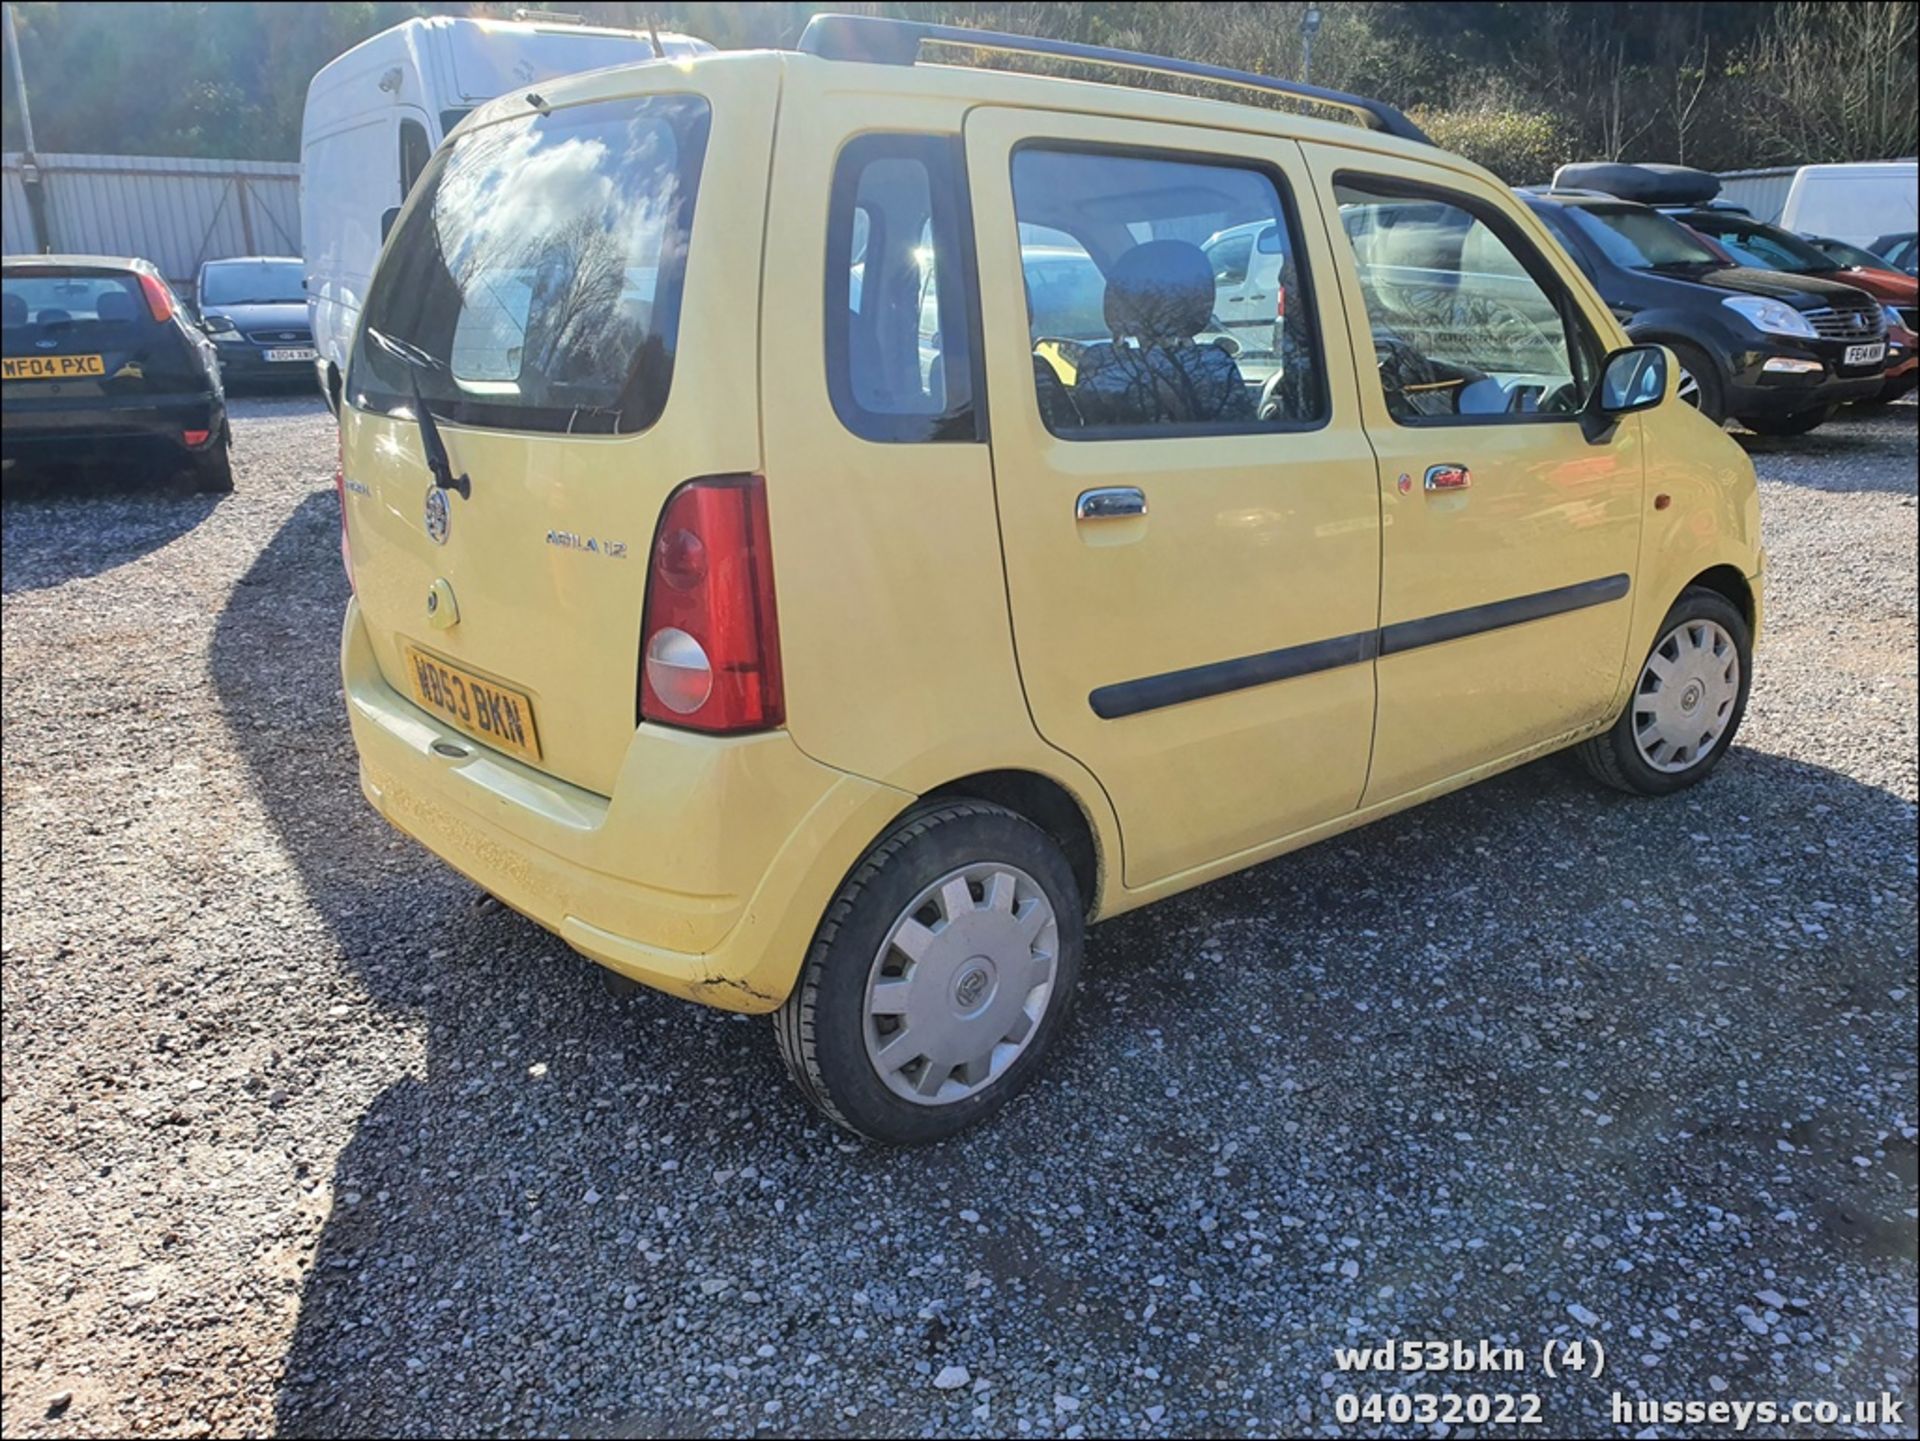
x=899, y=317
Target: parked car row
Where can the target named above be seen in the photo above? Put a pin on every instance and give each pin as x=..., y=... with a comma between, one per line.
x=1770, y=330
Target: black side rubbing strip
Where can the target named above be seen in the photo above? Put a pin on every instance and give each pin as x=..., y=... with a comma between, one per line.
x=1154, y=692
x=1455, y=624
x=1110, y=702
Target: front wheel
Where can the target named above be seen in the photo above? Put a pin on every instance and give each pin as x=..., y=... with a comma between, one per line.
x=939, y=978
x=1686, y=704
x=1799, y=423
x=1698, y=384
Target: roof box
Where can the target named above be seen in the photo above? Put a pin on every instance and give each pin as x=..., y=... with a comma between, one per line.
x=1648, y=184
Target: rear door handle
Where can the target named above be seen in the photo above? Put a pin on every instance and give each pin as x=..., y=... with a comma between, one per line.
x=1110, y=502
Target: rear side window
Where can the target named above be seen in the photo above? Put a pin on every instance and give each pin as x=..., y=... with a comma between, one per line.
x=535, y=284
x=1166, y=295
x=899, y=317
x=55, y=305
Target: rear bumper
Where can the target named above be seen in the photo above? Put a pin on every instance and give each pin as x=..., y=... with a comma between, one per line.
x=43, y=429
x=704, y=875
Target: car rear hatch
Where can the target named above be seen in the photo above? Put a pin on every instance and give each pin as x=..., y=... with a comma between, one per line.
x=572, y=296
x=89, y=338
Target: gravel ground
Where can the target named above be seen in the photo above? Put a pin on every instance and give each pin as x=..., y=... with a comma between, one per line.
x=302, y=1136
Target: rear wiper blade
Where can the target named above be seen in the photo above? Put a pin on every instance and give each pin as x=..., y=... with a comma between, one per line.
x=431, y=445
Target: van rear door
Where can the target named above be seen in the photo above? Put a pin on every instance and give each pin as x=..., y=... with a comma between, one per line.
x=569, y=295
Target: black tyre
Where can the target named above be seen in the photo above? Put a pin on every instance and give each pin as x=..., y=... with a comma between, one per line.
x=1687, y=701
x=940, y=976
x=211, y=472
x=1700, y=385
x=1799, y=423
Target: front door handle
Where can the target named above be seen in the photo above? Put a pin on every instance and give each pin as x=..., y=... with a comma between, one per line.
x=1110, y=502
x=1449, y=476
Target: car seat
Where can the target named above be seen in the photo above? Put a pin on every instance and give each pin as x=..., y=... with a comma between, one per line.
x=1159, y=296
x=115, y=306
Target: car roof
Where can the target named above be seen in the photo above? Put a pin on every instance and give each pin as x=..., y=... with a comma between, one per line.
x=252, y=260
x=78, y=262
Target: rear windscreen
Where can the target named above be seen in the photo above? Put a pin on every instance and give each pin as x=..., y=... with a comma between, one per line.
x=535, y=282
x=71, y=305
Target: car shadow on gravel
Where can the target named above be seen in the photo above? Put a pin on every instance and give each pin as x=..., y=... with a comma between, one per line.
x=66, y=525
x=609, y=1215
x=1847, y=454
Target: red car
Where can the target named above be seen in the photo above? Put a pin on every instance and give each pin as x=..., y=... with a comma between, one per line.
x=1746, y=241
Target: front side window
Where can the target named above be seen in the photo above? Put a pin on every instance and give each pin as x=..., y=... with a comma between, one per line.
x=536, y=282
x=415, y=152
x=1164, y=296
x=898, y=320
x=1462, y=325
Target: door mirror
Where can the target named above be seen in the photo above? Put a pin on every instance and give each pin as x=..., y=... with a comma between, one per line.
x=387, y=217
x=1632, y=379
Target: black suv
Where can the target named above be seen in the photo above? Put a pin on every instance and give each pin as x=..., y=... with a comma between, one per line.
x=1775, y=352
x=101, y=364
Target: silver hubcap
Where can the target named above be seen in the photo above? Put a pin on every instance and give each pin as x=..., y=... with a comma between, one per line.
x=961, y=982
x=1688, y=389
x=1686, y=696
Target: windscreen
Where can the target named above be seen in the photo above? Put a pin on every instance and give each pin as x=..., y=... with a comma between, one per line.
x=1640, y=239
x=252, y=282
x=535, y=281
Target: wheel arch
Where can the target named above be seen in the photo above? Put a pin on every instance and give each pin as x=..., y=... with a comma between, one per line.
x=1049, y=805
x=1726, y=580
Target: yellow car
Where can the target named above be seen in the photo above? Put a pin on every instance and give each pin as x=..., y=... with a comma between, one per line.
x=747, y=593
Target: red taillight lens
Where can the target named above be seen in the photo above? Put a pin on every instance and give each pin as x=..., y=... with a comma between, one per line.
x=340, y=490
x=1279, y=302
x=159, y=298
x=710, y=639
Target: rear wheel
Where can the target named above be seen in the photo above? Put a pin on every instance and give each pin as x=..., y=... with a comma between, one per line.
x=1698, y=384
x=939, y=978
x=1686, y=705
x=1799, y=423
x=211, y=472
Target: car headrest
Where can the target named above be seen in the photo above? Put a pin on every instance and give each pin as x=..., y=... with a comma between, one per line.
x=16, y=309
x=1160, y=290
x=113, y=305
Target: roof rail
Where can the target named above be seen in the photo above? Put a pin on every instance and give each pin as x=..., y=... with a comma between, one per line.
x=884, y=41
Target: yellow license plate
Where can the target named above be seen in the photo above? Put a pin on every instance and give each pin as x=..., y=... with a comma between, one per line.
x=50, y=367
x=484, y=709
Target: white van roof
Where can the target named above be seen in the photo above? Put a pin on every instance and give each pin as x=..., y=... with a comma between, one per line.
x=456, y=62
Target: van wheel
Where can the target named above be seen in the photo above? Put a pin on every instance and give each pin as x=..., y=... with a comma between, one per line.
x=1699, y=383
x=939, y=978
x=1799, y=423
x=1687, y=702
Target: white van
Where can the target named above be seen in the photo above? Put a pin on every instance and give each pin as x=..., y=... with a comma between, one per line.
x=1855, y=203
x=374, y=116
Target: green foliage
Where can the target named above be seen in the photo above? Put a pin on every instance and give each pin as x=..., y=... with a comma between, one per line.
x=1519, y=85
x=1521, y=147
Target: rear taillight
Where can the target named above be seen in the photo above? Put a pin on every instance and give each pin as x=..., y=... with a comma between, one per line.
x=340, y=490
x=710, y=637
x=159, y=298
x=1279, y=302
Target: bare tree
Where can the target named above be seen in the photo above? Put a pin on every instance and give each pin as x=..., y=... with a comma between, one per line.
x=1834, y=81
